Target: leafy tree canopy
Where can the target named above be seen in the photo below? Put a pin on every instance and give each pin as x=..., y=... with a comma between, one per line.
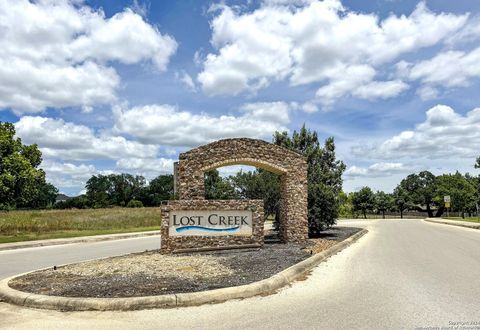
x=22, y=183
x=324, y=175
x=363, y=200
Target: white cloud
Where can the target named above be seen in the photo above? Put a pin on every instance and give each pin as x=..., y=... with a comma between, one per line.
x=226, y=171
x=447, y=69
x=376, y=170
x=444, y=134
x=59, y=139
x=56, y=53
x=186, y=79
x=309, y=107
x=150, y=166
x=167, y=125
x=67, y=175
x=316, y=42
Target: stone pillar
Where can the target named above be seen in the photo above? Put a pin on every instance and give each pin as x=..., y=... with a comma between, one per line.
x=294, y=207
x=190, y=185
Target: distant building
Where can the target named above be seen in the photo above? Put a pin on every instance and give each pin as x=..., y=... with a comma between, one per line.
x=62, y=198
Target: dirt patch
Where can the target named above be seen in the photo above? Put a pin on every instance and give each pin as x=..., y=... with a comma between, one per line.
x=151, y=273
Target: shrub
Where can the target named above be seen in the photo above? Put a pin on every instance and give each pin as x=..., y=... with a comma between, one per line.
x=134, y=203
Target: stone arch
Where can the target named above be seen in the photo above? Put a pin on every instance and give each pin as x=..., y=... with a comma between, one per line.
x=291, y=166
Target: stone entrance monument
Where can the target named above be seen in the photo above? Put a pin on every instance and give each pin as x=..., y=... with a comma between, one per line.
x=193, y=223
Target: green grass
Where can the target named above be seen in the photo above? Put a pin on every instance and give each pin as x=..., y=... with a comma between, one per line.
x=71, y=233
x=19, y=226
x=477, y=220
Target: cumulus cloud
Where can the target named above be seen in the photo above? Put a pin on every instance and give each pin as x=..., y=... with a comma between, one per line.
x=59, y=139
x=149, y=167
x=56, y=53
x=444, y=134
x=447, y=69
x=376, y=170
x=167, y=125
x=67, y=175
x=316, y=42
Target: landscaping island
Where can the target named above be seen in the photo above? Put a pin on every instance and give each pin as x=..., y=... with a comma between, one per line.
x=150, y=273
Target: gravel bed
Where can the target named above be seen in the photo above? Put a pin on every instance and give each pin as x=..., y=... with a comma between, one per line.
x=151, y=273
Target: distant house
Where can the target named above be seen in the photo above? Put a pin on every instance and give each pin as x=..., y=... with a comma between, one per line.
x=62, y=198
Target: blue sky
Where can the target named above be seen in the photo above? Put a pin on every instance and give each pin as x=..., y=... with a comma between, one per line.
x=124, y=86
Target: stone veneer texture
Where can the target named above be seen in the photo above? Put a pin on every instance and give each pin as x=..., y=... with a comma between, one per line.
x=291, y=166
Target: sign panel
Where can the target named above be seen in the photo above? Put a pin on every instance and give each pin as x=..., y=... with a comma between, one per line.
x=210, y=223
x=447, y=205
x=446, y=199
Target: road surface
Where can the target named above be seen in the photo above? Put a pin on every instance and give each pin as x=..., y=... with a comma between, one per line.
x=404, y=274
x=23, y=260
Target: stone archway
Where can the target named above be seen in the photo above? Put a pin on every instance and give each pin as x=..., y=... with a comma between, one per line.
x=291, y=166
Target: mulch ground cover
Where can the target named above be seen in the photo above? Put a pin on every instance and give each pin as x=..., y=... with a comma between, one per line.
x=151, y=273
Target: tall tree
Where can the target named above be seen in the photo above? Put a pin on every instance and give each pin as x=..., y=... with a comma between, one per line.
x=363, y=200
x=259, y=184
x=45, y=197
x=20, y=177
x=324, y=175
x=383, y=202
x=462, y=192
x=97, y=191
x=217, y=187
x=160, y=189
x=421, y=188
x=401, y=199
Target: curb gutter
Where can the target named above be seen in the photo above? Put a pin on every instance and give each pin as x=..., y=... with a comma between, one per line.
x=463, y=224
x=263, y=287
x=82, y=239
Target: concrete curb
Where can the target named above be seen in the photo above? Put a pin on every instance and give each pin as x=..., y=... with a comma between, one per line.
x=82, y=239
x=463, y=224
x=263, y=287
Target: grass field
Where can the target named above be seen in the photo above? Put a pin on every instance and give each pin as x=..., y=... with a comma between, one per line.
x=19, y=226
x=466, y=219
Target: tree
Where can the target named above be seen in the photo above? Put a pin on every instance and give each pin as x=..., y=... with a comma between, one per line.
x=20, y=177
x=421, y=189
x=401, y=199
x=462, y=193
x=259, y=184
x=345, y=202
x=477, y=162
x=217, y=187
x=383, y=202
x=125, y=187
x=160, y=189
x=97, y=191
x=45, y=197
x=114, y=189
x=324, y=175
x=363, y=200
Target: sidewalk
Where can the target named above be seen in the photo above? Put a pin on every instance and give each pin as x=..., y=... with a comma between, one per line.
x=83, y=239
x=466, y=224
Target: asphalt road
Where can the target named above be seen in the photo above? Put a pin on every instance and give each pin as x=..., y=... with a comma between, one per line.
x=23, y=260
x=404, y=274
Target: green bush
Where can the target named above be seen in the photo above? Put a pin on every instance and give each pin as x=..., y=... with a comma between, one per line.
x=134, y=203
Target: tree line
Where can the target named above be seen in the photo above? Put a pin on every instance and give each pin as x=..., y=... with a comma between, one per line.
x=23, y=185
x=422, y=192
x=123, y=190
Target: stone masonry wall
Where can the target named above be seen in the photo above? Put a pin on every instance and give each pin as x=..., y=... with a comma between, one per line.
x=176, y=243
x=291, y=166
